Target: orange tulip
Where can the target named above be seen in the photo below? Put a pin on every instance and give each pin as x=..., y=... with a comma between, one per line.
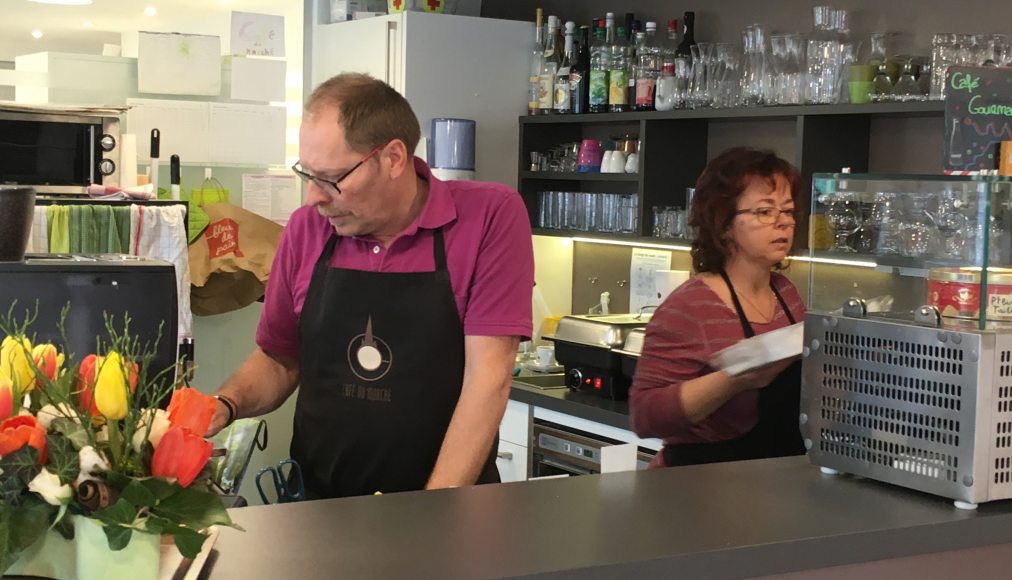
x=191, y=409
x=48, y=360
x=180, y=454
x=18, y=431
x=6, y=397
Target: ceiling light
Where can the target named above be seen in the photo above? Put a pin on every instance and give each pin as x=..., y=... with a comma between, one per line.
x=64, y=2
x=150, y=11
x=88, y=24
x=36, y=34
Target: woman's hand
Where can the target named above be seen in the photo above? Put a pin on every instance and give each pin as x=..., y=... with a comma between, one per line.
x=761, y=377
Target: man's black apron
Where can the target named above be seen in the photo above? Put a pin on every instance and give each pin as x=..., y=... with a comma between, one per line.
x=382, y=362
x=776, y=434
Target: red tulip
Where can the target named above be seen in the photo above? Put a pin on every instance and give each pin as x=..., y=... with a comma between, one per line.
x=180, y=454
x=6, y=397
x=22, y=430
x=191, y=409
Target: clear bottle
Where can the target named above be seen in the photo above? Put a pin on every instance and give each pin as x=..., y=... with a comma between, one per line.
x=669, y=45
x=822, y=54
x=553, y=58
x=618, y=73
x=537, y=61
x=600, y=58
x=562, y=102
x=648, y=64
x=579, y=74
x=688, y=35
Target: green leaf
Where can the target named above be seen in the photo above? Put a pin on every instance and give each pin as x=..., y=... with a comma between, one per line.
x=18, y=469
x=194, y=508
x=119, y=513
x=71, y=430
x=160, y=488
x=188, y=541
x=63, y=459
x=118, y=537
x=138, y=495
x=30, y=521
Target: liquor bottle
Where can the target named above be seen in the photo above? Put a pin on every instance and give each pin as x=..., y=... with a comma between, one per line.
x=600, y=61
x=553, y=58
x=629, y=36
x=647, y=68
x=537, y=61
x=688, y=35
x=618, y=73
x=579, y=74
x=670, y=44
x=563, y=103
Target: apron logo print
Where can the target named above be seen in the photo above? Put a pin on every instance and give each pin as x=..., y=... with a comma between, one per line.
x=369, y=356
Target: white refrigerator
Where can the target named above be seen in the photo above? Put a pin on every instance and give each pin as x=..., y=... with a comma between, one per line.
x=446, y=66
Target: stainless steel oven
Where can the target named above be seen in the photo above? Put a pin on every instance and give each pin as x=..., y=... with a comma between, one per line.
x=58, y=152
x=561, y=450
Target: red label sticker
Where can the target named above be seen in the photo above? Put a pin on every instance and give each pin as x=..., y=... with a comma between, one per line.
x=223, y=238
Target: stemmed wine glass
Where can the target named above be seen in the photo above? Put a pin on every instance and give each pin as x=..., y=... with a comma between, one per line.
x=844, y=218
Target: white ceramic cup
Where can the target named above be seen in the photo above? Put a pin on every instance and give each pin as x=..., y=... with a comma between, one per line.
x=546, y=356
x=632, y=163
x=606, y=161
x=616, y=163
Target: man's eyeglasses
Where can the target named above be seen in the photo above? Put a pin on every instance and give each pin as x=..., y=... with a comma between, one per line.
x=769, y=215
x=331, y=186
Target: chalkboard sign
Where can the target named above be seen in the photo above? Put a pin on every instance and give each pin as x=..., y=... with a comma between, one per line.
x=978, y=116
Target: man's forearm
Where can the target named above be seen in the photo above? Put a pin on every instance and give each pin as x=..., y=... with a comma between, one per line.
x=488, y=376
x=261, y=384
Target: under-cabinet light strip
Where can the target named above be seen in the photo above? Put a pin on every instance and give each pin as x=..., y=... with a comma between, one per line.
x=817, y=260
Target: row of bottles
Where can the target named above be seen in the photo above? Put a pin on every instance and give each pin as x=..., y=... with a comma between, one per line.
x=615, y=72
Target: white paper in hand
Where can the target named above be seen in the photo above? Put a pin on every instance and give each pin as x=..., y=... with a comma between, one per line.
x=761, y=350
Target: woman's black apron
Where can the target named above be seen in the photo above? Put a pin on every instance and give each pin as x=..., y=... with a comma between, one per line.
x=776, y=434
x=381, y=358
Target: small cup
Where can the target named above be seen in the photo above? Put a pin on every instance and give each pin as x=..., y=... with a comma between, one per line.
x=632, y=163
x=617, y=162
x=546, y=356
x=860, y=92
x=606, y=162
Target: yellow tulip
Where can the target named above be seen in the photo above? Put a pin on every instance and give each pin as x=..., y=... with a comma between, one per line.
x=111, y=387
x=48, y=361
x=14, y=364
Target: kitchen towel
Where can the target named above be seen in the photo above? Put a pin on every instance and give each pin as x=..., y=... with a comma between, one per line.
x=160, y=232
x=58, y=222
x=38, y=242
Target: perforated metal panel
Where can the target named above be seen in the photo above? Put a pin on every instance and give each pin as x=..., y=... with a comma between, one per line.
x=924, y=408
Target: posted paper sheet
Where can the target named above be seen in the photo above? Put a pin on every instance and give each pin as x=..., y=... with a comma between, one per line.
x=274, y=197
x=257, y=34
x=178, y=64
x=642, y=280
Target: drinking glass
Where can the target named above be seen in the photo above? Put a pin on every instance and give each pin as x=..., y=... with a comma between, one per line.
x=906, y=88
x=845, y=218
x=951, y=223
x=887, y=216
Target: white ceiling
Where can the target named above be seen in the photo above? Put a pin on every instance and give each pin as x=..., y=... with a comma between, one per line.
x=63, y=26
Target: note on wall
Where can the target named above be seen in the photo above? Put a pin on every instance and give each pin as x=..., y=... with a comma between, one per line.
x=642, y=284
x=257, y=34
x=178, y=64
x=275, y=197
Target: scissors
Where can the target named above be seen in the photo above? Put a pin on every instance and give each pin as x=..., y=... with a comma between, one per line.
x=287, y=478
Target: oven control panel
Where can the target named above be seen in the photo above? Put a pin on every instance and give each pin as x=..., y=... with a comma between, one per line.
x=570, y=448
x=596, y=381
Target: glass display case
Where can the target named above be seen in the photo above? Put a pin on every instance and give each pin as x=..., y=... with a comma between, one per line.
x=907, y=359
x=942, y=241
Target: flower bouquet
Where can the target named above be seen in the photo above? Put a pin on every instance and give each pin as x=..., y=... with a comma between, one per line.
x=86, y=450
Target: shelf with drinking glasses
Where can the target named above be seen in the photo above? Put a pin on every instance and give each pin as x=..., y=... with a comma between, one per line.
x=577, y=176
x=884, y=108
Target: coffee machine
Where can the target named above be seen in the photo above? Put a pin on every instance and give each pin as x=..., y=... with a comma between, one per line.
x=95, y=285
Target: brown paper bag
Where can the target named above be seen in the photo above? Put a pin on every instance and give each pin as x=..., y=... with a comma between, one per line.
x=231, y=259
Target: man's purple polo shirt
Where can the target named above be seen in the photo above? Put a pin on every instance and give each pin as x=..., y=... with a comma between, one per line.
x=488, y=252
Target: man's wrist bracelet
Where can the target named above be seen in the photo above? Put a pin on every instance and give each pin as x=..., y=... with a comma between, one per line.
x=233, y=411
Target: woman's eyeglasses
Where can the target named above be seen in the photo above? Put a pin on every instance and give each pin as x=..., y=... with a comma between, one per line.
x=769, y=215
x=331, y=187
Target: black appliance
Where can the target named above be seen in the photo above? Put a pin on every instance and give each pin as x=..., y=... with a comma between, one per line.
x=116, y=284
x=586, y=346
x=58, y=152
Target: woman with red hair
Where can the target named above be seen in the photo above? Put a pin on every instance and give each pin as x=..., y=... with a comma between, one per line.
x=744, y=213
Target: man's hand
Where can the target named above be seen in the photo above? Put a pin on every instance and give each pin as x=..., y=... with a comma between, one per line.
x=219, y=421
